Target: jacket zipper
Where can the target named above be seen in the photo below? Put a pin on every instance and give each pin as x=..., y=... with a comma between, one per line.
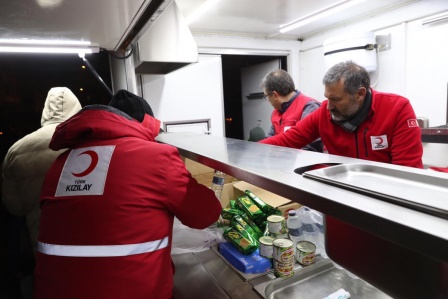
x=365, y=142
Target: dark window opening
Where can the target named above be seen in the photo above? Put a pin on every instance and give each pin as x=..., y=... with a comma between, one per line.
x=231, y=74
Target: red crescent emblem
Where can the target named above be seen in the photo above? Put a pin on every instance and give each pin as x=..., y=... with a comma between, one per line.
x=379, y=140
x=94, y=156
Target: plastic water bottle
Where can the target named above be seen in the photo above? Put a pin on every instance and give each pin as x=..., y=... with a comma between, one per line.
x=218, y=183
x=309, y=229
x=294, y=226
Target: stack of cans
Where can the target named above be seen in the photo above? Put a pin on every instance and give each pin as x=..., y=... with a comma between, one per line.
x=277, y=246
x=283, y=258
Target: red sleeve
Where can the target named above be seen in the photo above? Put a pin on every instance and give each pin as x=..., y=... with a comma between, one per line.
x=303, y=133
x=195, y=205
x=407, y=148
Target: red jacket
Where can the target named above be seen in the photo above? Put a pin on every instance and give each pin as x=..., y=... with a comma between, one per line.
x=283, y=121
x=107, y=210
x=390, y=133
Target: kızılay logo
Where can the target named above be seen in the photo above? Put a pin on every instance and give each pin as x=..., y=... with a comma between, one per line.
x=94, y=161
x=85, y=171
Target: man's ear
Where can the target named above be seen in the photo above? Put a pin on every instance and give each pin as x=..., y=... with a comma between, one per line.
x=361, y=94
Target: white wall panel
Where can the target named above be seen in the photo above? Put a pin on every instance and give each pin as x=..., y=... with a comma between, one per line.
x=190, y=93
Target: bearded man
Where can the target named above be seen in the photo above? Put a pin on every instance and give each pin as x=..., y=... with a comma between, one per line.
x=358, y=122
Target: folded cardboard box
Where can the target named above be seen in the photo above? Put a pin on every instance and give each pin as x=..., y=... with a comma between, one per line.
x=234, y=190
x=203, y=174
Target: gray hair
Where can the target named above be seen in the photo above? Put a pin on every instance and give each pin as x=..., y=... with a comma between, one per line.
x=355, y=76
x=279, y=81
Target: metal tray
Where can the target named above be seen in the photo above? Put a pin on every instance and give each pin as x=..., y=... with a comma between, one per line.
x=424, y=192
x=318, y=281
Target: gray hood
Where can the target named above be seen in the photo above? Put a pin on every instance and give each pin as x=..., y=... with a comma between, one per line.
x=60, y=105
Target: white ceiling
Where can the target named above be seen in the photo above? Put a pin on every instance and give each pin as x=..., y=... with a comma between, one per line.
x=107, y=22
x=104, y=22
x=262, y=18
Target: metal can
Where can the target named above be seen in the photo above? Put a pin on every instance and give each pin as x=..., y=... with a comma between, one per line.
x=279, y=236
x=305, y=253
x=276, y=225
x=266, y=247
x=282, y=269
x=283, y=250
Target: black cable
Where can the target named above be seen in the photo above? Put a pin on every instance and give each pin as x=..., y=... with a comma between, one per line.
x=97, y=76
x=366, y=47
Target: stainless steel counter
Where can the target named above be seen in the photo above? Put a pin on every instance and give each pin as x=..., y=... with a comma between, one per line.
x=398, y=249
x=272, y=168
x=206, y=274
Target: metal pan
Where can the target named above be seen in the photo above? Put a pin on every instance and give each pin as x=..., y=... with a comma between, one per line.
x=423, y=192
x=318, y=281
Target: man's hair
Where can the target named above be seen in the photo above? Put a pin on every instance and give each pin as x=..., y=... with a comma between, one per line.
x=355, y=76
x=279, y=81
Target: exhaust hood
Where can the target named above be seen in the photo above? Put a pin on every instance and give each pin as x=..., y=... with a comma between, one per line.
x=167, y=45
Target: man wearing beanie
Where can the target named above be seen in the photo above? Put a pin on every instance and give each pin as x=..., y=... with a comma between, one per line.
x=131, y=104
x=108, y=205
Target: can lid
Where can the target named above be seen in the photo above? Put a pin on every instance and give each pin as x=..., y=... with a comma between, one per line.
x=266, y=240
x=275, y=218
x=306, y=246
x=283, y=243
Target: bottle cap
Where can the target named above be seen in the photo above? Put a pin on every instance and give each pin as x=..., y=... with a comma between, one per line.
x=292, y=212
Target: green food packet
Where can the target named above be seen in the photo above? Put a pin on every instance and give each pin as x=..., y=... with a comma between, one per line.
x=230, y=213
x=252, y=225
x=273, y=211
x=240, y=242
x=245, y=204
x=232, y=204
x=261, y=204
x=266, y=208
x=243, y=228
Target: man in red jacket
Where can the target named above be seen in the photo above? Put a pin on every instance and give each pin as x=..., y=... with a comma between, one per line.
x=357, y=121
x=290, y=105
x=108, y=205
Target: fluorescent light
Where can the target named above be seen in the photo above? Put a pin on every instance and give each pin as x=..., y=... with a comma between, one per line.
x=46, y=46
x=201, y=10
x=320, y=14
x=436, y=18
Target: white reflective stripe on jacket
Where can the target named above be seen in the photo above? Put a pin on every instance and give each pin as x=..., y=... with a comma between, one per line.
x=101, y=250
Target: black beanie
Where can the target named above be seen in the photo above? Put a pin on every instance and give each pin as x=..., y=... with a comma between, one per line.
x=131, y=104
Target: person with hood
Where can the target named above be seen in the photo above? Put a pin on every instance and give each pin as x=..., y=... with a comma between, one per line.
x=108, y=205
x=28, y=160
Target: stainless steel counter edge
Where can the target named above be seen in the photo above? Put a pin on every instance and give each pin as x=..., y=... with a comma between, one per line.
x=272, y=168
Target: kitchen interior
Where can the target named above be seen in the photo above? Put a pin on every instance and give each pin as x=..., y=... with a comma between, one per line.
x=387, y=239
